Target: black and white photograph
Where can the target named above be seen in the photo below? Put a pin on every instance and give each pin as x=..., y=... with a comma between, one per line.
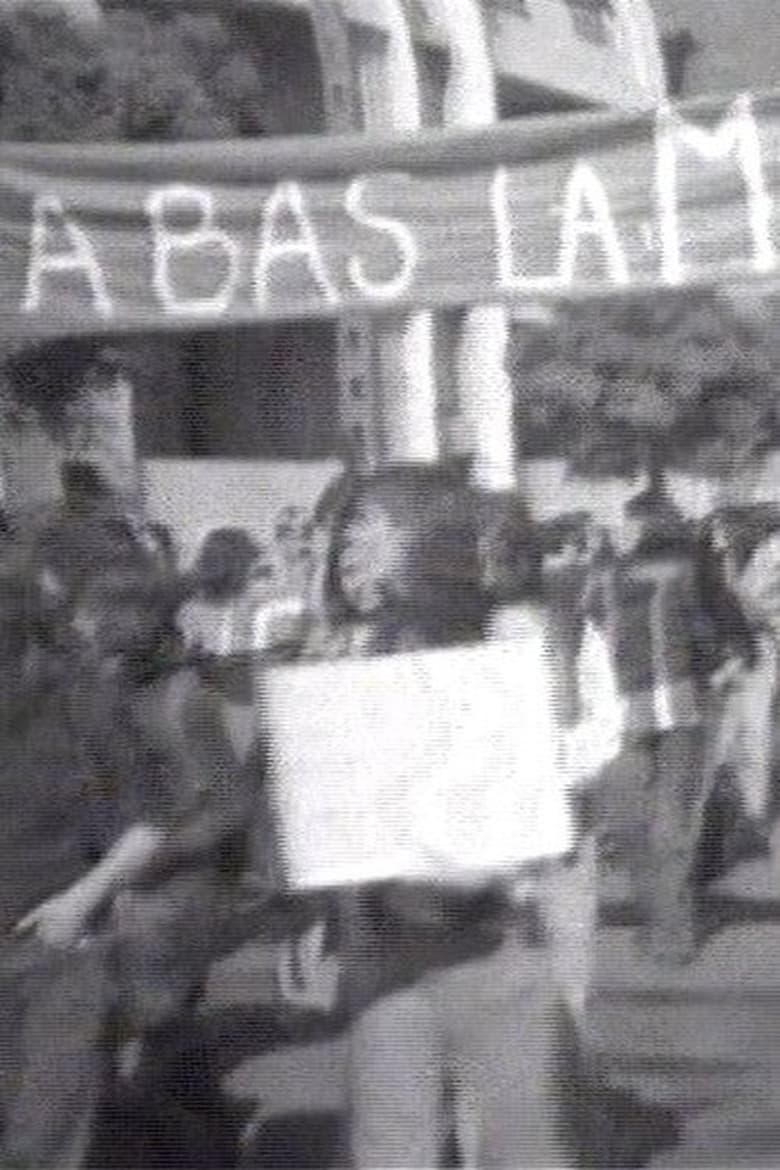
x=389, y=584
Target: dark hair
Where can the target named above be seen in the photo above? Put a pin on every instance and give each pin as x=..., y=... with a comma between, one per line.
x=657, y=542
x=158, y=599
x=225, y=554
x=512, y=549
x=436, y=589
x=83, y=481
x=79, y=549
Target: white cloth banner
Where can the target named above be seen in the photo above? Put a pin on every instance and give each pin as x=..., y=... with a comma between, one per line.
x=420, y=766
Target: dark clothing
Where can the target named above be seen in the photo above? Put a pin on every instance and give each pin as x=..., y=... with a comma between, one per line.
x=663, y=649
x=667, y=769
x=79, y=543
x=43, y=823
x=657, y=616
x=151, y=749
x=156, y=752
x=51, y=1013
x=491, y=1032
x=53, y=1059
x=455, y=1001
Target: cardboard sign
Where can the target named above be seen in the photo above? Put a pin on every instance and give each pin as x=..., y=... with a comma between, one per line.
x=421, y=766
x=119, y=237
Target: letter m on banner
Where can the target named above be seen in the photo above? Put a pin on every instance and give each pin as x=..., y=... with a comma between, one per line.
x=736, y=136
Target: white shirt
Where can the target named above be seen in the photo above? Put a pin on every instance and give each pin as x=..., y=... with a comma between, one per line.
x=594, y=740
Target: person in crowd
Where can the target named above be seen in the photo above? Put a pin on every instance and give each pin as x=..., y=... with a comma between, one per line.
x=662, y=645
x=615, y=804
x=280, y=622
x=88, y=531
x=225, y=595
x=215, y=619
x=160, y=543
x=565, y=568
x=449, y=988
x=539, y=583
x=167, y=813
x=50, y=999
x=602, y=562
x=293, y=535
x=741, y=584
x=90, y=501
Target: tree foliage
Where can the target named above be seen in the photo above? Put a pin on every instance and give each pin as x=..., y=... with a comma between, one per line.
x=670, y=380
x=131, y=77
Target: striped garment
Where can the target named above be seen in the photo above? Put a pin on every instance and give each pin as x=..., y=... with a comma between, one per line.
x=653, y=616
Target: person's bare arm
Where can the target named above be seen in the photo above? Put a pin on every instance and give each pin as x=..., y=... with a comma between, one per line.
x=64, y=919
x=226, y=788
x=149, y=850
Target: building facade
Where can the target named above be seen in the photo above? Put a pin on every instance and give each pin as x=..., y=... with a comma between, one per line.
x=718, y=46
x=415, y=385
x=400, y=389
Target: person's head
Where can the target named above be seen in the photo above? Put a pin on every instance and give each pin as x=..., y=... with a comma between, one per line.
x=225, y=562
x=404, y=552
x=83, y=485
x=125, y=613
x=748, y=543
x=565, y=542
x=648, y=519
x=511, y=548
x=662, y=533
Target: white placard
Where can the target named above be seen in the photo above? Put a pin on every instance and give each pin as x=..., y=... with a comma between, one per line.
x=414, y=766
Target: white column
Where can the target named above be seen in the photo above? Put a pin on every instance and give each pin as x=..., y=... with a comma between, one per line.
x=486, y=391
x=406, y=344
x=638, y=34
x=409, y=399
x=485, y=388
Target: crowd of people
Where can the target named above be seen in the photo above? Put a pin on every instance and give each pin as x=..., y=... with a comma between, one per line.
x=132, y=803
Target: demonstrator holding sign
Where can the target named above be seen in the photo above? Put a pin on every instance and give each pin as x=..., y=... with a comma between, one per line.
x=450, y=916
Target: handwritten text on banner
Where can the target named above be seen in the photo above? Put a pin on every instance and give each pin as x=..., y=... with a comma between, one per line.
x=119, y=237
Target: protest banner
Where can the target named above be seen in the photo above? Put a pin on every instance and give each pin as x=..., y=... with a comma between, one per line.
x=418, y=766
x=116, y=237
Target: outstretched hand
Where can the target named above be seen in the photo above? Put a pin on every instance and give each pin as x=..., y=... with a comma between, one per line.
x=60, y=922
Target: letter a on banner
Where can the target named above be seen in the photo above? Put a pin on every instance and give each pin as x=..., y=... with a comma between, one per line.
x=287, y=200
x=585, y=190
x=48, y=214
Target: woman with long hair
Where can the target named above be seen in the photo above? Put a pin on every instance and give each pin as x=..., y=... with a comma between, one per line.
x=456, y=1018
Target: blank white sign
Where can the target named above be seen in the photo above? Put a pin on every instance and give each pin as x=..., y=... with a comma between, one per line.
x=418, y=766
